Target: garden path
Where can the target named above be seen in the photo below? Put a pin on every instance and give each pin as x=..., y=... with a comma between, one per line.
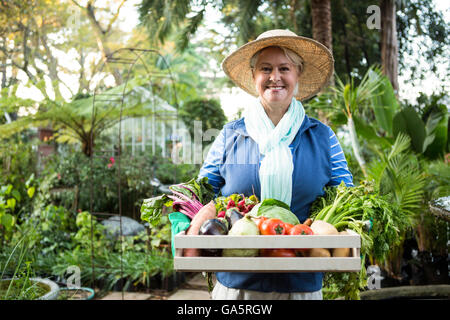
x=194, y=289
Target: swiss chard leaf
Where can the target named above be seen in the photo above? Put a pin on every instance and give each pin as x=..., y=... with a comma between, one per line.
x=151, y=209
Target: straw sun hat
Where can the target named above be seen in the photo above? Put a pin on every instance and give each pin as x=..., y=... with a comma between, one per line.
x=317, y=62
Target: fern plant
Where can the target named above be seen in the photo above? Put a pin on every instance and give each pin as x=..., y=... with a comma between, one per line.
x=398, y=176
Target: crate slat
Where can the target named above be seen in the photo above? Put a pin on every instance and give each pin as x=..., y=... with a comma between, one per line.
x=248, y=242
x=265, y=264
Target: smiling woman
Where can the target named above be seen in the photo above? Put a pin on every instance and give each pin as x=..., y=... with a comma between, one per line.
x=283, y=154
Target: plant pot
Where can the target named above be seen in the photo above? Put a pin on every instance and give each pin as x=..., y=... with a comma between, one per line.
x=52, y=289
x=82, y=293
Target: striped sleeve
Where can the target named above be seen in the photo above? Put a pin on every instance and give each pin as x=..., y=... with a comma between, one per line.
x=211, y=165
x=339, y=168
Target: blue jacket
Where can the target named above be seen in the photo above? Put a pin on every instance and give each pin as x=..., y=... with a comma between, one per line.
x=232, y=166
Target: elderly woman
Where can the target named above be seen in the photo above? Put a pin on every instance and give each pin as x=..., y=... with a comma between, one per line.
x=275, y=150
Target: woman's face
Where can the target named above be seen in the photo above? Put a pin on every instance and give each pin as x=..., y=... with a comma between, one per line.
x=275, y=77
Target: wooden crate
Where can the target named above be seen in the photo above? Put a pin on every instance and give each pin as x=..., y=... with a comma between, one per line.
x=268, y=264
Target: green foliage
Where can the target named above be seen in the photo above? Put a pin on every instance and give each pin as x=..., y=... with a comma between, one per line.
x=344, y=284
x=17, y=168
x=73, y=171
x=397, y=174
x=138, y=267
x=432, y=126
x=20, y=287
x=68, y=178
x=437, y=176
x=10, y=199
x=208, y=111
x=375, y=217
x=423, y=22
x=384, y=103
x=422, y=134
x=90, y=232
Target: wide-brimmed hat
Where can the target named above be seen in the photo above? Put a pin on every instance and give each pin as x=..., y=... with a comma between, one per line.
x=318, y=62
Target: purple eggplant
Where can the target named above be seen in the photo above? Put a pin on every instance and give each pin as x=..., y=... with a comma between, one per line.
x=213, y=227
x=232, y=215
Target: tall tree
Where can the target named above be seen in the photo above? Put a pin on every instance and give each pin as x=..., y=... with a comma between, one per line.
x=389, y=42
x=25, y=45
x=103, y=30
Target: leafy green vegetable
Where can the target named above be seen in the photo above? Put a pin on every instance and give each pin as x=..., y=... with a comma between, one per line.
x=152, y=208
x=188, y=198
x=274, y=202
x=376, y=219
x=272, y=208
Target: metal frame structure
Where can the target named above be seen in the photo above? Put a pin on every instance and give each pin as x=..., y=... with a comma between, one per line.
x=127, y=58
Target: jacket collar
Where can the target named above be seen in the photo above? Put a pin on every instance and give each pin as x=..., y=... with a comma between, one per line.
x=239, y=126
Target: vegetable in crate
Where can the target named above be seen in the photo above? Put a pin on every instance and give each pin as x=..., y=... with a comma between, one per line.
x=232, y=216
x=361, y=209
x=205, y=213
x=272, y=208
x=213, y=227
x=243, y=227
x=278, y=253
x=237, y=201
x=272, y=226
x=301, y=229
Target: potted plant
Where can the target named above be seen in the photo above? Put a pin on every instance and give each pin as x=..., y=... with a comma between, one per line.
x=81, y=293
x=25, y=288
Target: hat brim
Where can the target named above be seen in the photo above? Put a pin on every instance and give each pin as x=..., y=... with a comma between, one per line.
x=318, y=64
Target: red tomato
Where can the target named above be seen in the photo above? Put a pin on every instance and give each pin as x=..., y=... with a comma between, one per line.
x=272, y=226
x=285, y=253
x=260, y=221
x=288, y=227
x=301, y=229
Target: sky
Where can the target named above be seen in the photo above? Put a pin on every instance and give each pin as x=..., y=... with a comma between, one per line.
x=235, y=98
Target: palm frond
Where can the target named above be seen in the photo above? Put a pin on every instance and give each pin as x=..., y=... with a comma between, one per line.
x=398, y=176
x=401, y=144
x=190, y=29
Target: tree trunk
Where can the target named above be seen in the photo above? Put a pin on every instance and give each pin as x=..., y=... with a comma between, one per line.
x=292, y=10
x=101, y=36
x=389, y=43
x=321, y=22
x=321, y=30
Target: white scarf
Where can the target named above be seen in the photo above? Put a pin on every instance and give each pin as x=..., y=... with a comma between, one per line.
x=277, y=166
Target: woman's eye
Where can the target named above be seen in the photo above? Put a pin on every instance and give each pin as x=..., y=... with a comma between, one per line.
x=284, y=69
x=266, y=69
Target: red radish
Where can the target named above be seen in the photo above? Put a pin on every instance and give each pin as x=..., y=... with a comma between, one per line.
x=221, y=214
x=231, y=204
